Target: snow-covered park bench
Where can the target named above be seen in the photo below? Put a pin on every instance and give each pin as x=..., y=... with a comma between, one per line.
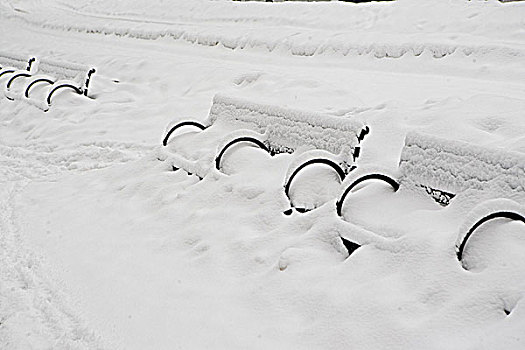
x=57, y=75
x=66, y=75
x=446, y=169
x=321, y=139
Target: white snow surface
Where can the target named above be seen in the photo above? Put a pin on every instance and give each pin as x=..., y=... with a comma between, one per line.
x=104, y=246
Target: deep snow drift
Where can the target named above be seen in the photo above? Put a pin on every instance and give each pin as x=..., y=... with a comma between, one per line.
x=104, y=245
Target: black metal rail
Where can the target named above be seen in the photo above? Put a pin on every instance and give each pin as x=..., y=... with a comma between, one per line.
x=325, y=161
x=238, y=140
x=180, y=125
x=88, y=79
x=288, y=183
x=374, y=176
x=63, y=86
x=39, y=80
x=511, y=215
x=7, y=71
x=18, y=75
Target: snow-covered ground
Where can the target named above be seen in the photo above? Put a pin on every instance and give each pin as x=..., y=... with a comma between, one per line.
x=103, y=245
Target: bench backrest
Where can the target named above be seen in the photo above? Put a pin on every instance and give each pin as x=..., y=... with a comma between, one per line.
x=450, y=167
x=63, y=70
x=15, y=61
x=288, y=129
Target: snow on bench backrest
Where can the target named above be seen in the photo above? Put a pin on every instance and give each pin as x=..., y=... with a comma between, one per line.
x=8, y=60
x=289, y=129
x=454, y=166
x=63, y=70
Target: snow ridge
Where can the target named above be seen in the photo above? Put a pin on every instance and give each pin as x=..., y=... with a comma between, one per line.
x=301, y=46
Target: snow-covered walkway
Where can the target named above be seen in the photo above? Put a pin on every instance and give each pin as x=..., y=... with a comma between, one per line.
x=102, y=245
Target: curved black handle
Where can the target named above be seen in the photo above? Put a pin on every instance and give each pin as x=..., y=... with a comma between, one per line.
x=39, y=80
x=499, y=214
x=7, y=71
x=326, y=161
x=385, y=178
x=18, y=75
x=237, y=140
x=180, y=125
x=61, y=86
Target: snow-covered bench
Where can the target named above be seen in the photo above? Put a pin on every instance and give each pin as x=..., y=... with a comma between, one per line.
x=445, y=169
x=58, y=75
x=61, y=75
x=286, y=130
x=323, y=139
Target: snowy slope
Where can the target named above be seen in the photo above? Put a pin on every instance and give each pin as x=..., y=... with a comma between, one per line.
x=104, y=246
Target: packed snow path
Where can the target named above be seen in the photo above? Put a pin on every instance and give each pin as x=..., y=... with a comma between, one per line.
x=104, y=246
